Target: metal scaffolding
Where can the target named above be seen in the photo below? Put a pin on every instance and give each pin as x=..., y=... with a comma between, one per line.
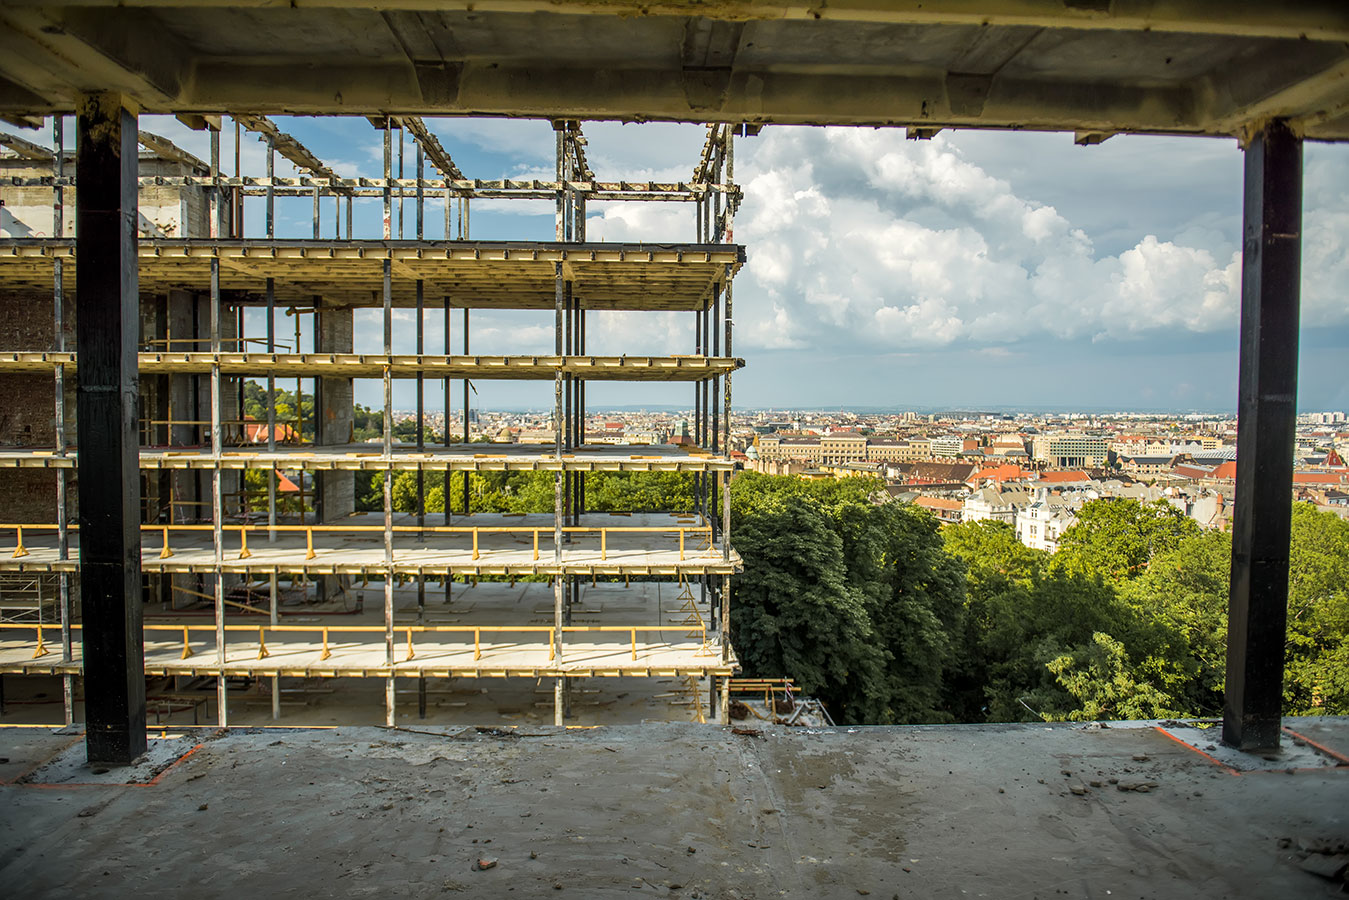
x=191, y=537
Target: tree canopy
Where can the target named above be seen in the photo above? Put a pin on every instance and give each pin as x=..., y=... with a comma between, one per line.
x=888, y=617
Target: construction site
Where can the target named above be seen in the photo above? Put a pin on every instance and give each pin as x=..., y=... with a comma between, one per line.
x=311, y=607
x=221, y=689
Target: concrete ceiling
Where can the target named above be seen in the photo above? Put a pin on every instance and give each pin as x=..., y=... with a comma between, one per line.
x=1095, y=67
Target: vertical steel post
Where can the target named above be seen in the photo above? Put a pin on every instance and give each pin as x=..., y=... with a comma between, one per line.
x=725, y=612
x=715, y=431
x=388, y=176
x=1267, y=415
x=560, y=201
x=271, y=189
x=237, y=192
x=730, y=191
x=271, y=346
x=421, y=441
x=217, y=500
x=421, y=380
x=448, y=234
x=389, y=685
x=581, y=414
x=107, y=312
x=401, y=194
x=446, y=439
x=466, y=388
x=59, y=331
x=559, y=292
x=388, y=493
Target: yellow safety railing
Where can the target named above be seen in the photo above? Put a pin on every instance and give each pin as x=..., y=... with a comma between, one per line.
x=702, y=532
x=327, y=630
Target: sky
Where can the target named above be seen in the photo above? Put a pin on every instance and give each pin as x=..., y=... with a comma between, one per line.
x=974, y=270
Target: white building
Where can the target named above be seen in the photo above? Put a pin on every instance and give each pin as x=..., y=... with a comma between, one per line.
x=1041, y=523
x=990, y=504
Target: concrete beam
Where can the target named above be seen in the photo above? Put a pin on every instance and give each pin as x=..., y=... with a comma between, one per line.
x=127, y=53
x=26, y=149
x=167, y=149
x=290, y=147
x=1087, y=65
x=920, y=97
x=1312, y=19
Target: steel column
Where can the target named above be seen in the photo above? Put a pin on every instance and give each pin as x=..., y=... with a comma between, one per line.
x=1267, y=411
x=466, y=438
x=59, y=331
x=107, y=312
x=559, y=290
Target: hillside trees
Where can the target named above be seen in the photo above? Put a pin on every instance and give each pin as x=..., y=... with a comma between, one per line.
x=855, y=602
x=1316, y=677
x=1044, y=639
x=1118, y=537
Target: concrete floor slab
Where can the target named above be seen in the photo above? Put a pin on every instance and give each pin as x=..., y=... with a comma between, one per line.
x=319, y=702
x=679, y=811
x=490, y=626
x=356, y=544
x=456, y=457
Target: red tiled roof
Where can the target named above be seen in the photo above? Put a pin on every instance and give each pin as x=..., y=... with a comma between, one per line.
x=1320, y=478
x=1227, y=470
x=1006, y=472
x=1063, y=477
x=938, y=503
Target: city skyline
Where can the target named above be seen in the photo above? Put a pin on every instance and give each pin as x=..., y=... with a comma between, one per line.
x=976, y=269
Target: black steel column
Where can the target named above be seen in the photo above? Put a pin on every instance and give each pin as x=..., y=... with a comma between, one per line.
x=106, y=315
x=1267, y=410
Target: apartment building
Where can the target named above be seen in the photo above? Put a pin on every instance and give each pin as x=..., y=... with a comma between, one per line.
x=1070, y=450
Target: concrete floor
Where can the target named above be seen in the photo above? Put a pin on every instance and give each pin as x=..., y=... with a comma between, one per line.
x=357, y=550
x=459, y=702
x=671, y=634
x=672, y=811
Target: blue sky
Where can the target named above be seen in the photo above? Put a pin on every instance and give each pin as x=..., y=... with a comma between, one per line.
x=976, y=269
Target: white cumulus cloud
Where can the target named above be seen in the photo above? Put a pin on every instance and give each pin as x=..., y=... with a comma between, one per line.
x=860, y=238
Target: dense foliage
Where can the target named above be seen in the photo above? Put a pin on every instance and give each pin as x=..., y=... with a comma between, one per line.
x=527, y=492
x=889, y=619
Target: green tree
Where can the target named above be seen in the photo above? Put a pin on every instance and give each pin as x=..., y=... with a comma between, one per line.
x=1046, y=640
x=1185, y=590
x=1107, y=685
x=639, y=492
x=915, y=595
x=795, y=614
x=996, y=564
x=255, y=488
x=830, y=574
x=1317, y=666
x=369, y=491
x=1118, y=537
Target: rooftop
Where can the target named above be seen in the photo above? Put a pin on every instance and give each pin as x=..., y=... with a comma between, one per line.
x=944, y=812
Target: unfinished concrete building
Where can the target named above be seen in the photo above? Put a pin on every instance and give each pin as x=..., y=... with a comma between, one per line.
x=570, y=617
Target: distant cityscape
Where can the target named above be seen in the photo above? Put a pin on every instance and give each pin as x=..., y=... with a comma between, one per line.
x=1030, y=470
